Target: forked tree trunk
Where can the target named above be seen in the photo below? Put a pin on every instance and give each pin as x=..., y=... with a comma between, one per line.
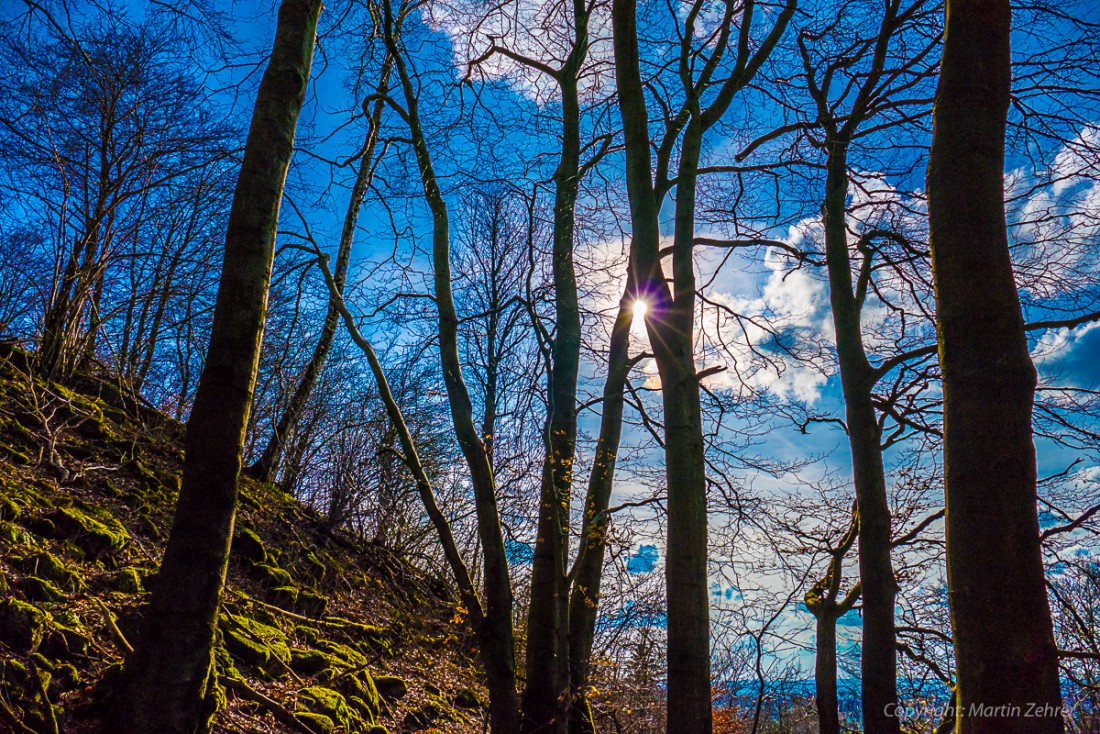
x=1007, y=665
x=170, y=675
x=689, y=698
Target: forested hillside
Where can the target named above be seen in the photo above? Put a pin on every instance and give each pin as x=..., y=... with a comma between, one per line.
x=320, y=630
x=550, y=366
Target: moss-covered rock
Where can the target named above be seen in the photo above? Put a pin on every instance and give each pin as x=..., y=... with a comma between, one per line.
x=311, y=603
x=465, y=698
x=358, y=686
x=423, y=716
x=248, y=546
x=342, y=654
x=271, y=576
x=13, y=535
x=314, y=568
x=309, y=662
x=26, y=684
x=283, y=596
x=65, y=643
x=22, y=625
x=307, y=633
x=254, y=643
x=97, y=537
x=390, y=687
x=9, y=510
x=319, y=723
x=49, y=567
x=330, y=703
x=40, y=590
x=129, y=580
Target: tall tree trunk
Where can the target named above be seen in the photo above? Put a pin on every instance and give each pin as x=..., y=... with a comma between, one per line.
x=672, y=338
x=546, y=698
x=171, y=672
x=495, y=632
x=878, y=662
x=669, y=323
x=1004, y=645
x=267, y=465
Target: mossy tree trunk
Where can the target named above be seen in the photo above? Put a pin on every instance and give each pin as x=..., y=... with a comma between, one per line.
x=171, y=683
x=1004, y=646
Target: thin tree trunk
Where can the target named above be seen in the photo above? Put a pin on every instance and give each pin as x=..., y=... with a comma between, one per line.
x=171, y=675
x=587, y=572
x=496, y=632
x=1004, y=645
x=826, y=699
x=878, y=662
x=267, y=465
x=546, y=698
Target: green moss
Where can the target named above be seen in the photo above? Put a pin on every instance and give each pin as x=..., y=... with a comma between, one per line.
x=67, y=676
x=315, y=568
x=307, y=633
x=465, y=698
x=40, y=590
x=244, y=649
x=283, y=596
x=255, y=643
x=97, y=537
x=271, y=576
x=308, y=662
x=378, y=729
x=14, y=456
x=248, y=546
x=330, y=703
x=372, y=639
x=128, y=580
x=22, y=625
x=423, y=717
x=9, y=510
x=49, y=567
x=12, y=534
x=358, y=685
x=66, y=642
x=390, y=687
x=343, y=654
x=23, y=685
x=317, y=722
x=311, y=603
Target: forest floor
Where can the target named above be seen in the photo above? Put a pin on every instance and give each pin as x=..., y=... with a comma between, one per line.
x=320, y=632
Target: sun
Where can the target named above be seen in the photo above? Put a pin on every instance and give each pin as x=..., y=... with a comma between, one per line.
x=640, y=308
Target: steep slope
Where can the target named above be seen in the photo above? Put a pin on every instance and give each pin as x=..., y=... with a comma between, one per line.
x=320, y=632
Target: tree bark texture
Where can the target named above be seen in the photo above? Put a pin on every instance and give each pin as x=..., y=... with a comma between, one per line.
x=170, y=675
x=1004, y=645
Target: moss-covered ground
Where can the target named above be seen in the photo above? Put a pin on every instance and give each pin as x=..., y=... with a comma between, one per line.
x=319, y=632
